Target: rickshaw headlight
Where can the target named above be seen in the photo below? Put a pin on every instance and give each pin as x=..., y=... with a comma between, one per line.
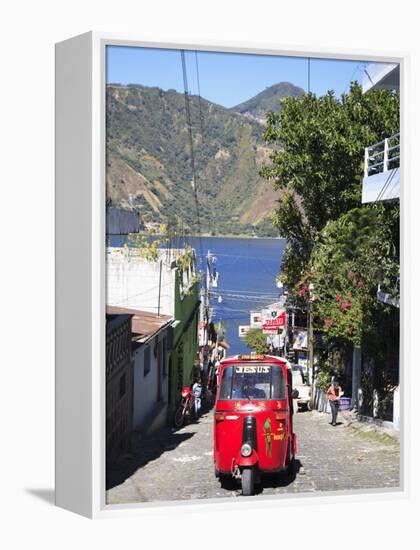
x=246, y=449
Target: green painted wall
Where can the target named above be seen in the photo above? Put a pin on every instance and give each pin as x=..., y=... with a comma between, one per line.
x=185, y=340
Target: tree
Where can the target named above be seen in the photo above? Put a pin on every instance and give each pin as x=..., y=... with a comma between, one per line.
x=352, y=255
x=336, y=245
x=256, y=340
x=319, y=164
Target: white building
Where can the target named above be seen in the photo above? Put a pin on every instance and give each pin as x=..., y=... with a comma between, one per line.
x=164, y=287
x=151, y=342
x=382, y=160
x=136, y=283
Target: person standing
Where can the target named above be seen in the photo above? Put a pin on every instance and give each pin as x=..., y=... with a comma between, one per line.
x=334, y=393
x=197, y=389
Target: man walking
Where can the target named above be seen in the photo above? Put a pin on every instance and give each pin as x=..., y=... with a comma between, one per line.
x=334, y=393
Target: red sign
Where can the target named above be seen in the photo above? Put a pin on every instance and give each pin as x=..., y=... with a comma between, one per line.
x=276, y=322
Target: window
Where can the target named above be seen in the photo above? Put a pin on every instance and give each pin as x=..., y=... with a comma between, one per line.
x=253, y=381
x=122, y=385
x=146, y=356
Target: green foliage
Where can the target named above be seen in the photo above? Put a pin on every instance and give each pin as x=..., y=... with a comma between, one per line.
x=185, y=259
x=147, y=245
x=342, y=248
x=351, y=255
x=268, y=100
x=256, y=340
x=319, y=166
x=323, y=379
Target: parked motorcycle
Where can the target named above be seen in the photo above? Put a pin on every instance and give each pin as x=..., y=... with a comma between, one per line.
x=185, y=408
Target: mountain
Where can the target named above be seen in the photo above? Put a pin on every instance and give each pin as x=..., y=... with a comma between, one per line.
x=267, y=100
x=149, y=165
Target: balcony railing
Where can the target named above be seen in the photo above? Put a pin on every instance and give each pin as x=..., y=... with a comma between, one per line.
x=382, y=156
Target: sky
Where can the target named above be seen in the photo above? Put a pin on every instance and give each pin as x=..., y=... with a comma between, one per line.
x=227, y=79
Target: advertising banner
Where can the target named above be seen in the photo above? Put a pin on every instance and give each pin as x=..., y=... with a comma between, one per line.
x=300, y=338
x=273, y=319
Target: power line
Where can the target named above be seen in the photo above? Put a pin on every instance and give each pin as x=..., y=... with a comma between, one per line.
x=189, y=127
x=260, y=298
x=199, y=96
x=385, y=185
x=352, y=76
x=246, y=257
x=245, y=291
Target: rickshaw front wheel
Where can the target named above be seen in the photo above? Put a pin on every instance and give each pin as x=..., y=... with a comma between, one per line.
x=248, y=481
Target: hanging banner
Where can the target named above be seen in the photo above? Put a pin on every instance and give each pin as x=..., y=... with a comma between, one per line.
x=243, y=329
x=273, y=319
x=300, y=338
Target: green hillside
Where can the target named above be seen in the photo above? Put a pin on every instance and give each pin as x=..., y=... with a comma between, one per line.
x=267, y=100
x=149, y=164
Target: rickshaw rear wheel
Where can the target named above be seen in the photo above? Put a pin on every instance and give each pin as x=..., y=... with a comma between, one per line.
x=248, y=481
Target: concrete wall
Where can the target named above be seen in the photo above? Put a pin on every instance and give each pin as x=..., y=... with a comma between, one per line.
x=121, y=222
x=134, y=282
x=145, y=388
x=320, y=401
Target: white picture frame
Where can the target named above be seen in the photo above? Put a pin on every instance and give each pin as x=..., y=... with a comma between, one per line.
x=80, y=270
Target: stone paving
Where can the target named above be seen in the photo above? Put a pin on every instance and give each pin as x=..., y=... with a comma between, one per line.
x=179, y=465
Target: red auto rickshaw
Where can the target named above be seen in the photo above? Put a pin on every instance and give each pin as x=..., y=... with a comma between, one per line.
x=253, y=419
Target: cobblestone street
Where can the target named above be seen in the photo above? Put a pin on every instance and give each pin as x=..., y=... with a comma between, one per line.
x=179, y=466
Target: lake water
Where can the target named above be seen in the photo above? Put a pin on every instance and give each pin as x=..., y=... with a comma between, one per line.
x=247, y=278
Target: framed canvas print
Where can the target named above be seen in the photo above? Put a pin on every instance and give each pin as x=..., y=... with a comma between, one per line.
x=229, y=274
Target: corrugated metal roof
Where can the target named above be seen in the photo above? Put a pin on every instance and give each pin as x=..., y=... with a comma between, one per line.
x=143, y=324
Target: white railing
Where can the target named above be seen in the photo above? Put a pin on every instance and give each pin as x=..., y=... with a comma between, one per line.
x=382, y=156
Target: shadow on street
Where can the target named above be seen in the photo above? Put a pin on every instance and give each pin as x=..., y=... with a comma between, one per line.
x=279, y=480
x=146, y=450
x=150, y=448
x=271, y=481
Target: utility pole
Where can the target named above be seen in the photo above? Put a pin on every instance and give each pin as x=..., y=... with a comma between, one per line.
x=160, y=286
x=311, y=338
x=205, y=296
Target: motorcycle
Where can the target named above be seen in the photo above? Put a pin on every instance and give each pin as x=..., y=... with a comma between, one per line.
x=185, y=408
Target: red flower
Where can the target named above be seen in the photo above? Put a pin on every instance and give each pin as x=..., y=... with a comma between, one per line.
x=345, y=305
x=339, y=297
x=352, y=274
x=360, y=283
x=328, y=322
x=303, y=291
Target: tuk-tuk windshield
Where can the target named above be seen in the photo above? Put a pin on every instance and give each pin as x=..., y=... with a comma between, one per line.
x=253, y=382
